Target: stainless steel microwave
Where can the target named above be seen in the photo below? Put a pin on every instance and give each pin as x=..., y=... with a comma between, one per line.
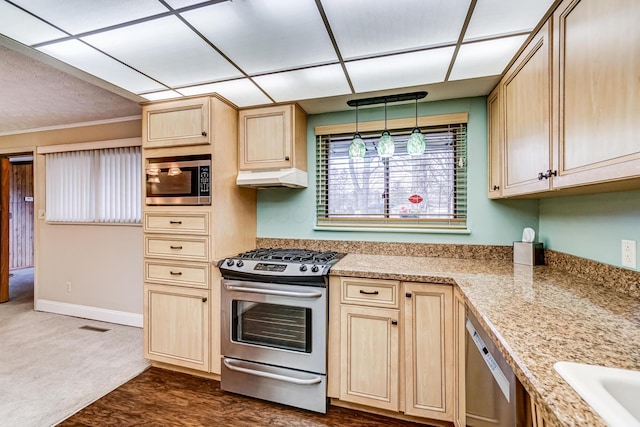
x=182, y=180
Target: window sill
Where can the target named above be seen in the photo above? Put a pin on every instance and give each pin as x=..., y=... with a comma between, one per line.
x=416, y=230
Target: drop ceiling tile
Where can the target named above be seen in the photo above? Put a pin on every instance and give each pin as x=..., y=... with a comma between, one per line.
x=241, y=92
x=79, y=16
x=166, y=50
x=158, y=96
x=316, y=82
x=85, y=58
x=407, y=69
x=266, y=35
x=494, y=17
x=24, y=28
x=488, y=58
x=365, y=27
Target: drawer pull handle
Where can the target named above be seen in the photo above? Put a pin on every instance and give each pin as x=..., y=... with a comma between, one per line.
x=204, y=299
x=176, y=273
x=369, y=292
x=175, y=247
x=175, y=222
x=394, y=322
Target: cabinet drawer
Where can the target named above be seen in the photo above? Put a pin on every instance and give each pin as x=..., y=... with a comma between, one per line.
x=174, y=247
x=371, y=292
x=166, y=222
x=179, y=273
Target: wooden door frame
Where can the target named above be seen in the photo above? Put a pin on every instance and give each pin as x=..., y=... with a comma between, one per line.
x=7, y=153
x=5, y=188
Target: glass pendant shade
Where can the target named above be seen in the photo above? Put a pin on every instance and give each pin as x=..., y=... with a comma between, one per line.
x=386, y=146
x=357, y=148
x=415, y=143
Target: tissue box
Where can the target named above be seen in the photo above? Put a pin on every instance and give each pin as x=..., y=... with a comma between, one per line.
x=528, y=253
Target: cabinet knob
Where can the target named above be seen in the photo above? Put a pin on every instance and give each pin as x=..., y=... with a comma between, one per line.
x=394, y=322
x=496, y=187
x=204, y=133
x=204, y=299
x=408, y=295
x=286, y=158
x=540, y=176
x=551, y=173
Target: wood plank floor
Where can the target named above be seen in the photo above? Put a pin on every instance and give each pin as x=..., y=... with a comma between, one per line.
x=158, y=397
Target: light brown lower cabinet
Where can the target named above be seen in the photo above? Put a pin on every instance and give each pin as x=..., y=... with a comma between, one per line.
x=176, y=325
x=390, y=355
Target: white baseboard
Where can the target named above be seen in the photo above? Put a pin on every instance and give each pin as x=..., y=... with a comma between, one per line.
x=87, y=312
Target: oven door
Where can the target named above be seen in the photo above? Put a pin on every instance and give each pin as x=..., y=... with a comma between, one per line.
x=275, y=324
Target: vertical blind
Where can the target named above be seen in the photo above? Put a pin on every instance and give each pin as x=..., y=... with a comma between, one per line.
x=101, y=186
x=425, y=190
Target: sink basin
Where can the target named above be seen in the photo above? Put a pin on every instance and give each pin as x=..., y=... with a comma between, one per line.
x=613, y=393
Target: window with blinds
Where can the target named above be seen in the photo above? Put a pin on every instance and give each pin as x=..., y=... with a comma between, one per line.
x=428, y=190
x=94, y=186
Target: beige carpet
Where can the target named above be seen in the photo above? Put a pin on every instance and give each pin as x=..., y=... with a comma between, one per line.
x=49, y=367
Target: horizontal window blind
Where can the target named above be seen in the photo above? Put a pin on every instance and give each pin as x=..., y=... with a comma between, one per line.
x=88, y=186
x=426, y=190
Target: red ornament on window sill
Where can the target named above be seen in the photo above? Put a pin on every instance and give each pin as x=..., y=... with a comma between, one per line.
x=415, y=199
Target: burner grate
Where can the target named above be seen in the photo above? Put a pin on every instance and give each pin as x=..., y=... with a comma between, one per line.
x=290, y=255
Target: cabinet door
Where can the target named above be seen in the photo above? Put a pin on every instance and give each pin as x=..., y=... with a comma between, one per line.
x=596, y=58
x=369, y=356
x=172, y=123
x=266, y=138
x=176, y=326
x=527, y=119
x=429, y=356
x=494, y=147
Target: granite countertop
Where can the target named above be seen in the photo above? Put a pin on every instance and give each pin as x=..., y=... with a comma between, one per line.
x=535, y=315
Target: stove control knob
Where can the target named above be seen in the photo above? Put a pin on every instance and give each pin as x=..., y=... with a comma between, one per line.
x=303, y=267
x=240, y=263
x=229, y=262
x=315, y=269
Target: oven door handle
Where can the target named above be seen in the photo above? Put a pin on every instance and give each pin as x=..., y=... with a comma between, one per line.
x=269, y=375
x=314, y=294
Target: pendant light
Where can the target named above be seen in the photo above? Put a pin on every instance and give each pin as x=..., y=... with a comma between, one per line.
x=415, y=143
x=386, y=146
x=357, y=148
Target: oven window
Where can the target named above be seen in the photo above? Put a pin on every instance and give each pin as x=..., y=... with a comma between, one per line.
x=272, y=325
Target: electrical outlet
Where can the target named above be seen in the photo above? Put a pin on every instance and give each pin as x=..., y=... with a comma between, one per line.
x=68, y=286
x=629, y=253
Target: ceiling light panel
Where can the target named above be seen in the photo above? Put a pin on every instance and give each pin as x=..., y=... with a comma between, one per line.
x=365, y=27
x=178, y=4
x=316, y=82
x=266, y=35
x=85, y=58
x=495, y=17
x=158, y=96
x=242, y=92
x=166, y=50
x=24, y=28
x=487, y=58
x=79, y=16
x=402, y=70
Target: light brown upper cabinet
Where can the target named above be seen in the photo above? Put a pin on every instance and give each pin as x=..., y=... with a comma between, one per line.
x=175, y=123
x=568, y=106
x=596, y=45
x=494, y=154
x=272, y=138
x=526, y=95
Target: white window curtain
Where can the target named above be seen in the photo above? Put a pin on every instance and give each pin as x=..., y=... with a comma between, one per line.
x=94, y=186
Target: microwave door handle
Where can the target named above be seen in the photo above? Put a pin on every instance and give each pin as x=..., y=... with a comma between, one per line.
x=270, y=375
x=314, y=294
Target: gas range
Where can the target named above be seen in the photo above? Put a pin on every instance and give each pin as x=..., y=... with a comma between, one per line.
x=278, y=265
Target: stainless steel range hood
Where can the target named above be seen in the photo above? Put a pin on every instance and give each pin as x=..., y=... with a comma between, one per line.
x=292, y=178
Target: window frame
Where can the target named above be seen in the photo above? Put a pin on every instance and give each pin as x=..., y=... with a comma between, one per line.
x=456, y=225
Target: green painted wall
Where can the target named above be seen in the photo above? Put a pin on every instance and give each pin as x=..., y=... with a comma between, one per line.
x=290, y=213
x=591, y=226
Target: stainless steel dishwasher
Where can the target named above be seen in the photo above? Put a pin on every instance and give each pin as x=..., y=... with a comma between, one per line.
x=494, y=396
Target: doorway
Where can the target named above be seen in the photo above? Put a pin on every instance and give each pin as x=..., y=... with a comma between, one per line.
x=16, y=219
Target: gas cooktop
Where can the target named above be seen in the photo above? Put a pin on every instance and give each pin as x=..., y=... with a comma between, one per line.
x=280, y=265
